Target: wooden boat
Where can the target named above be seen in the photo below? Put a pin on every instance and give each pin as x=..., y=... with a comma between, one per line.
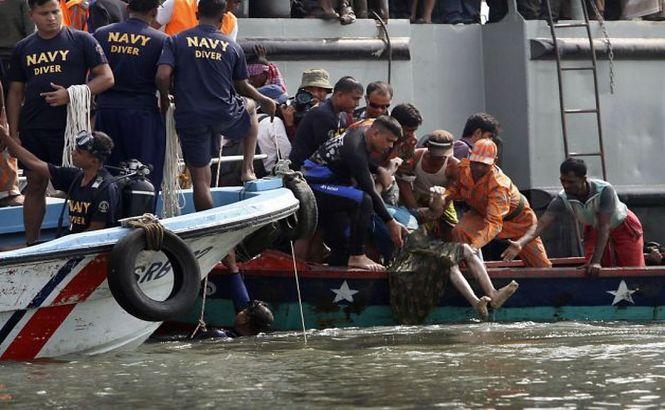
x=55, y=299
x=337, y=297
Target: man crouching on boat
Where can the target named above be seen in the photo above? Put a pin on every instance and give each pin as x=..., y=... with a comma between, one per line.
x=498, y=209
x=612, y=233
x=92, y=194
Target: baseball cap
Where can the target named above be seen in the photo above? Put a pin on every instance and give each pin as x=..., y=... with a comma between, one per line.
x=275, y=92
x=485, y=151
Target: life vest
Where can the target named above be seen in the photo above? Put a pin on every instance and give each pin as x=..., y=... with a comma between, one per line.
x=75, y=13
x=184, y=17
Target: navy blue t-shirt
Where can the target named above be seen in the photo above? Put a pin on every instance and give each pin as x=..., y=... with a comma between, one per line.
x=63, y=60
x=133, y=49
x=87, y=203
x=206, y=63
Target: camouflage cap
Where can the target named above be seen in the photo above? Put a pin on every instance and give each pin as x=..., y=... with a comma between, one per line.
x=316, y=77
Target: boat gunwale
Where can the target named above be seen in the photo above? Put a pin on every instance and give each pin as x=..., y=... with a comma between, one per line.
x=215, y=229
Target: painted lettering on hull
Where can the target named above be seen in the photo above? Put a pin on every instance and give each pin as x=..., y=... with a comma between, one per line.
x=158, y=270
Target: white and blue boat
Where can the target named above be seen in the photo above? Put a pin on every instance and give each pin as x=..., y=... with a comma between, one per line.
x=55, y=298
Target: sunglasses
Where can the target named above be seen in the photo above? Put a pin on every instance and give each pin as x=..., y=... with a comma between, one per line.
x=378, y=106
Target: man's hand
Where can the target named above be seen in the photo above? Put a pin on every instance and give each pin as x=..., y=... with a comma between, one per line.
x=397, y=232
x=514, y=248
x=164, y=103
x=289, y=114
x=269, y=107
x=261, y=54
x=58, y=97
x=593, y=269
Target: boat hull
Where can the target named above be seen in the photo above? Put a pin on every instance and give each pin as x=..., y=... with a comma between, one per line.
x=55, y=299
x=334, y=297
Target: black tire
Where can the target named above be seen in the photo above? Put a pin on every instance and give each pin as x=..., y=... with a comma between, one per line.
x=125, y=288
x=302, y=224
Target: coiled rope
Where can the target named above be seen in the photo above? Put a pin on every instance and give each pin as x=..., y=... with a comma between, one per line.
x=154, y=231
x=78, y=119
x=172, y=196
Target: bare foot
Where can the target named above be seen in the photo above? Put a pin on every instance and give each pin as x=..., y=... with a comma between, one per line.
x=247, y=176
x=363, y=262
x=501, y=295
x=481, y=307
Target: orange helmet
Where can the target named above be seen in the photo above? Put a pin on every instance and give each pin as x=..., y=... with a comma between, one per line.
x=485, y=151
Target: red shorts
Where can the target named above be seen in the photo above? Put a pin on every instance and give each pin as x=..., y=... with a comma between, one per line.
x=625, y=244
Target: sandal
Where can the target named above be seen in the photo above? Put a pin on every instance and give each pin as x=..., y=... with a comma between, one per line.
x=347, y=15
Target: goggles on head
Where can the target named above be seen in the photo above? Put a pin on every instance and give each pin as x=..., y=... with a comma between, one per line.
x=87, y=142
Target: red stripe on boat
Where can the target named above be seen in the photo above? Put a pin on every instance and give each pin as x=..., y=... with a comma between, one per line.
x=45, y=321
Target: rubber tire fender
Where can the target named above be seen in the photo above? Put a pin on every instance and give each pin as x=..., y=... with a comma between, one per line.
x=123, y=282
x=302, y=224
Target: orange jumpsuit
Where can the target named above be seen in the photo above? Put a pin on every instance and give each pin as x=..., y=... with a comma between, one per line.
x=491, y=199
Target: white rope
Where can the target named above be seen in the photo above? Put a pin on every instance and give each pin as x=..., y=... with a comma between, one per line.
x=219, y=160
x=172, y=196
x=295, y=272
x=202, y=323
x=78, y=119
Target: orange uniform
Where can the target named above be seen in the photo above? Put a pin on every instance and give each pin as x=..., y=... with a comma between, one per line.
x=8, y=175
x=498, y=210
x=183, y=18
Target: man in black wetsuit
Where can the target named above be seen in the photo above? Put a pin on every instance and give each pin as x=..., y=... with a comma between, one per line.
x=93, y=195
x=340, y=174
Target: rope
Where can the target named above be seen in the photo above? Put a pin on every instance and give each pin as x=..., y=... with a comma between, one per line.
x=154, y=231
x=172, y=196
x=295, y=271
x=78, y=119
x=219, y=160
x=202, y=324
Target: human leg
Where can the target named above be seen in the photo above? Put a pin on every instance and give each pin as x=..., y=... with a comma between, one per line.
x=198, y=145
x=34, y=206
x=335, y=199
x=628, y=242
x=463, y=287
x=249, y=143
x=477, y=268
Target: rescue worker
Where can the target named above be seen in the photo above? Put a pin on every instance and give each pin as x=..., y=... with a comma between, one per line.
x=43, y=65
x=128, y=112
x=175, y=16
x=339, y=173
x=206, y=109
x=93, y=197
x=497, y=209
x=613, y=234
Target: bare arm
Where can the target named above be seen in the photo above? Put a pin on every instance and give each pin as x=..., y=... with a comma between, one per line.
x=26, y=157
x=603, y=236
x=102, y=81
x=533, y=232
x=163, y=83
x=406, y=193
x=14, y=101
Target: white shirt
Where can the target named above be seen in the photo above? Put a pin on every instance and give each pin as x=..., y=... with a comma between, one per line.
x=269, y=133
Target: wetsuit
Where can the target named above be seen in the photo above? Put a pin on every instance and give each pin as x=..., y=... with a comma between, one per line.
x=128, y=111
x=340, y=174
x=64, y=60
x=97, y=201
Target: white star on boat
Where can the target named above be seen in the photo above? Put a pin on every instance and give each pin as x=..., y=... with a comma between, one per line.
x=344, y=293
x=622, y=293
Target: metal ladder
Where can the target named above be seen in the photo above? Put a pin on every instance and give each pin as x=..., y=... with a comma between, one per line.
x=593, y=68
